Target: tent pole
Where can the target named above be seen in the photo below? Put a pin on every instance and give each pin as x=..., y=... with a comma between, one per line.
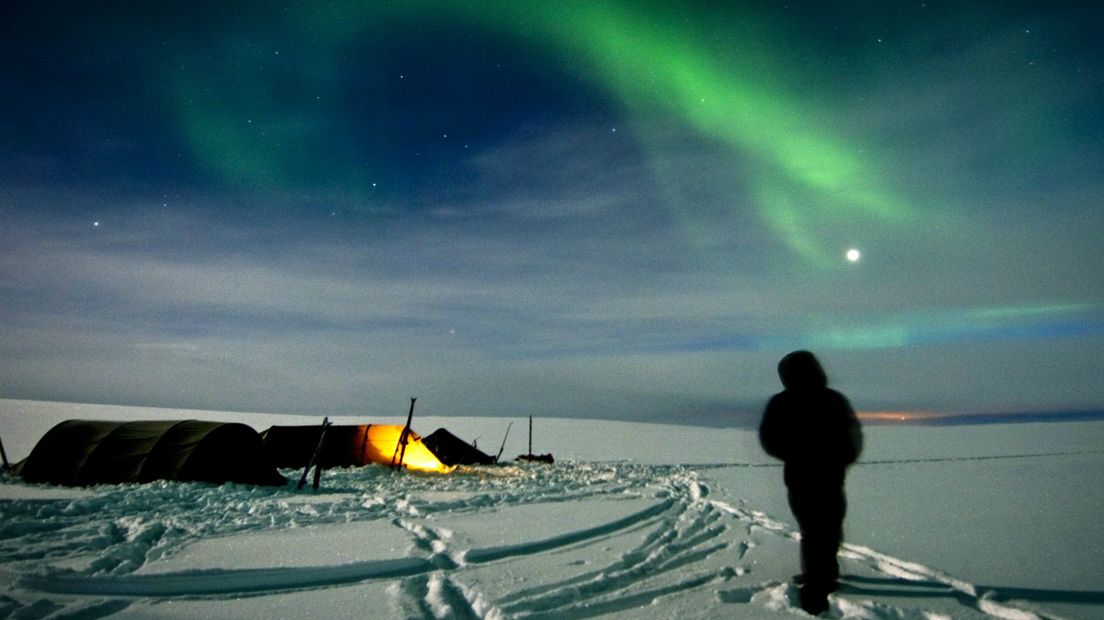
x=315, y=459
x=404, y=437
x=503, y=446
x=363, y=445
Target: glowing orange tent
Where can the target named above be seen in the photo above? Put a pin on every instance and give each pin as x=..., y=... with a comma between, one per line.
x=349, y=446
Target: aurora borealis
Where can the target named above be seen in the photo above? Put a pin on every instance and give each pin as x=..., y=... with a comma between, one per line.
x=595, y=209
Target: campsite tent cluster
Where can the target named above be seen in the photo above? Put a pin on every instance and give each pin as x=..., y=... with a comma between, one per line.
x=85, y=452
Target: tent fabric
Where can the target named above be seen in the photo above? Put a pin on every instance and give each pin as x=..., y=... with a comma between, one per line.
x=348, y=446
x=88, y=452
x=455, y=451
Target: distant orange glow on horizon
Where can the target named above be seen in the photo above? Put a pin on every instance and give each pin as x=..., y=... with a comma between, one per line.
x=898, y=416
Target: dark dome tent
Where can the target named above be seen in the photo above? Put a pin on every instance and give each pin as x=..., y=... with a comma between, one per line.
x=87, y=452
x=455, y=451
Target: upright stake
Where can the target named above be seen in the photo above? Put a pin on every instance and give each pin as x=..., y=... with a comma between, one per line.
x=503, y=446
x=363, y=445
x=404, y=437
x=315, y=459
x=530, y=434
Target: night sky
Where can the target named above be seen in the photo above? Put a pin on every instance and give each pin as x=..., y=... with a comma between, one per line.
x=623, y=210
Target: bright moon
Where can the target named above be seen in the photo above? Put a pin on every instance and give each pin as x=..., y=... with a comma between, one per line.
x=854, y=255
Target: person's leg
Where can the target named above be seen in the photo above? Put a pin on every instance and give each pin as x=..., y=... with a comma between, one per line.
x=804, y=515
x=825, y=536
x=819, y=514
x=820, y=572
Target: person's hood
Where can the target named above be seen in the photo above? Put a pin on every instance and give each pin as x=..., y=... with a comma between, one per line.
x=801, y=369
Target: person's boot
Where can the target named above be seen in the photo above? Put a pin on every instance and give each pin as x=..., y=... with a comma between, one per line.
x=814, y=599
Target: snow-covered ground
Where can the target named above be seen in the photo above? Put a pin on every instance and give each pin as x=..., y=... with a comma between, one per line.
x=633, y=521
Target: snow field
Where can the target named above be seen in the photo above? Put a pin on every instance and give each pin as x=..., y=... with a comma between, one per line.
x=589, y=537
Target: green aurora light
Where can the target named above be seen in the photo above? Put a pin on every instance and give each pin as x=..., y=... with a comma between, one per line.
x=811, y=187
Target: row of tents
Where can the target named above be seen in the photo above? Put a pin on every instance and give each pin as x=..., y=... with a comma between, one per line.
x=88, y=452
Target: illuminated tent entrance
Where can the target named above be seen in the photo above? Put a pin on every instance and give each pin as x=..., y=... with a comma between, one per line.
x=87, y=452
x=349, y=446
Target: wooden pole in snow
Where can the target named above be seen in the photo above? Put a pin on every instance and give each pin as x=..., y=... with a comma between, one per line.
x=404, y=437
x=503, y=446
x=315, y=459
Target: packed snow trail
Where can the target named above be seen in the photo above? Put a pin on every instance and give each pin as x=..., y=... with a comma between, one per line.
x=663, y=538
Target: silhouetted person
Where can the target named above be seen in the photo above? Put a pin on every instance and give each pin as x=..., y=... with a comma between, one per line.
x=814, y=431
